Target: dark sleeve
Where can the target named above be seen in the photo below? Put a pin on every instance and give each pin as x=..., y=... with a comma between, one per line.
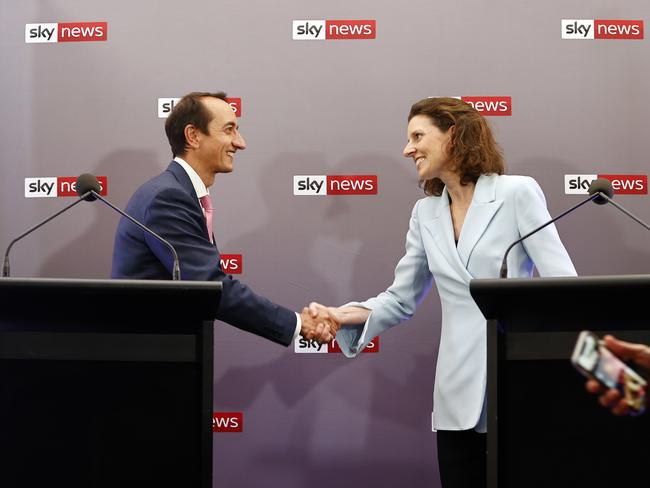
x=174, y=217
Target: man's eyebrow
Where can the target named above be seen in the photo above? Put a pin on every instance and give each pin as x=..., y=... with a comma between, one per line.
x=229, y=125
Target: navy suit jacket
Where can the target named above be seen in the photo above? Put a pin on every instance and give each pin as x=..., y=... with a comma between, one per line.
x=169, y=206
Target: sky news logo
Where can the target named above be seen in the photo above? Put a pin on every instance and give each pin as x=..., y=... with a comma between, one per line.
x=321, y=30
x=231, y=263
x=305, y=346
x=227, y=421
x=601, y=29
x=66, y=32
x=622, y=184
x=58, y=186
x=166, y=105
x=320, y=185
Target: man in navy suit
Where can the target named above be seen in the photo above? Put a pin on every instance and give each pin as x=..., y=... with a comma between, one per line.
x=203, y=134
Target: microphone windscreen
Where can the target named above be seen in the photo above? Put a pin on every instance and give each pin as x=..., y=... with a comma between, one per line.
x=85, y=183
x=601, y=185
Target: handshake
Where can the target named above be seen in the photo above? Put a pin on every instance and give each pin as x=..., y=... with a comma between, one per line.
x=321, y=323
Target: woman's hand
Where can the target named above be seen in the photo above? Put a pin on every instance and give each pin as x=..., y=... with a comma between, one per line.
x=342, y=315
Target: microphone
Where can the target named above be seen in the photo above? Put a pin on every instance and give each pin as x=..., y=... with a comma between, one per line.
x=604, y=191
x=602, y=188
x=86, y=184
x=88, y=189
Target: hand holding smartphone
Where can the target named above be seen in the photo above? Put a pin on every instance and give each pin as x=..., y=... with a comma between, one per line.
x=594, y=360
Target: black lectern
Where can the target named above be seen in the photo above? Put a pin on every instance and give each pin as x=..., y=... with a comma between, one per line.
x=544, y=429
x=106, y=383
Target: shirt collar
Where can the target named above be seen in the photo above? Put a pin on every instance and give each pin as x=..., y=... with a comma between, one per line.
x=197, y=182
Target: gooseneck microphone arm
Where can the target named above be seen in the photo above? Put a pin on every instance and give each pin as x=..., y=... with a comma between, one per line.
x=5, y=265
x=629, y=214
x=176, y=272
x=88, y=188
x=504, y=266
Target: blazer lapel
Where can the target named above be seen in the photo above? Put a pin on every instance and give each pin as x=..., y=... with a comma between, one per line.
x=483, y=208
x=442, y=231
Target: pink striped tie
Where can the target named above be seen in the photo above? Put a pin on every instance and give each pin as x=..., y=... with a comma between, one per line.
x=206, y=203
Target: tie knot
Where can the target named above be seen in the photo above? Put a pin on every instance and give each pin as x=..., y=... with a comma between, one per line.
x=206, y=202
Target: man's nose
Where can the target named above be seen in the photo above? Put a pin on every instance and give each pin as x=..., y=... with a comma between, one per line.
x=239, y=142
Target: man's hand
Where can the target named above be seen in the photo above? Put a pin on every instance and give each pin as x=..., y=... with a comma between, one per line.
x=319, y=325
x=639, y=353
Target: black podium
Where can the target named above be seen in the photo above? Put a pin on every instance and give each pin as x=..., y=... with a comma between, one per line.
x=106, y=383
x=544, y=429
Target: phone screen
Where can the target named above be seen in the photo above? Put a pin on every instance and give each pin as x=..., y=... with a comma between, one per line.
x=595, y=360
x=609, y=369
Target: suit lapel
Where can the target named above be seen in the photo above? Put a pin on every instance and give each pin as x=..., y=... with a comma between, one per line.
x=483, y=208
x=186, y=183
x=184, y=180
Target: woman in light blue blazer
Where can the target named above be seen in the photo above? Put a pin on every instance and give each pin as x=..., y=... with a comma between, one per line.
x=459, y=231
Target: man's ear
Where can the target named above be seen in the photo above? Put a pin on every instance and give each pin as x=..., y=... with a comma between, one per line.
x=192, y=136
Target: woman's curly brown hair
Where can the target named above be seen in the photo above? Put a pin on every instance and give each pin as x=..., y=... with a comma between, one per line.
x=472, y=149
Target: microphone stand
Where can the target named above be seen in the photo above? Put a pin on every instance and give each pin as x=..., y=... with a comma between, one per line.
x=504, y=266
x=633, y=217
x=5, y=265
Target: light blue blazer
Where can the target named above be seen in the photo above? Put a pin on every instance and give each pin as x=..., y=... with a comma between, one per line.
x=503, y=209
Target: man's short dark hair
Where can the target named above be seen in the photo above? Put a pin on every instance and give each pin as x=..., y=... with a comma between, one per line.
x=189, y=110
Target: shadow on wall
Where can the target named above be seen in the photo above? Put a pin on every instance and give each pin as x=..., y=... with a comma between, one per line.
x=89, y=255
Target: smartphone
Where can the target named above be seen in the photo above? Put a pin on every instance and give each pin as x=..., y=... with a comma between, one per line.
x=594, y=360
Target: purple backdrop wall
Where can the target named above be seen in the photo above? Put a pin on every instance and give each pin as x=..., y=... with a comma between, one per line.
x=332, y=107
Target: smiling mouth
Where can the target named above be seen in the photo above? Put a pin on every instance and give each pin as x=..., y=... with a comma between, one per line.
x=419, y=161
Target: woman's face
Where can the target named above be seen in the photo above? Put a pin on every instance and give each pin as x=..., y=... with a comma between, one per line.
x=427, y=145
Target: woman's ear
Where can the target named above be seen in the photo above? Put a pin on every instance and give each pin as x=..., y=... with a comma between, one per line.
x=451, y=141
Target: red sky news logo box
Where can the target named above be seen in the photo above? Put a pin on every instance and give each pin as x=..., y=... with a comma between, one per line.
x=66, y=32
x=58, y=186
x=305, y=346
x=166, y=105
x=320, y=185
x=489, y=106
x=227, y=421
x=602, y=29
x=492, y=106
x=321, y=30
x=622, y=184
x=231, y=263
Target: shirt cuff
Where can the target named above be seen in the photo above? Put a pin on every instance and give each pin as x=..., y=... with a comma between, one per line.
x=298, y=327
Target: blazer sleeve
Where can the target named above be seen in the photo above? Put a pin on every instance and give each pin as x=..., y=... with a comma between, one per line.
x=398, y=303
x=171, y=215
x=544, y=248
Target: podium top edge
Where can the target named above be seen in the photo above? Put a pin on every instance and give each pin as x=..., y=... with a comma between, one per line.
x=14, y=283
x=561, y=281
x=563, y=303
